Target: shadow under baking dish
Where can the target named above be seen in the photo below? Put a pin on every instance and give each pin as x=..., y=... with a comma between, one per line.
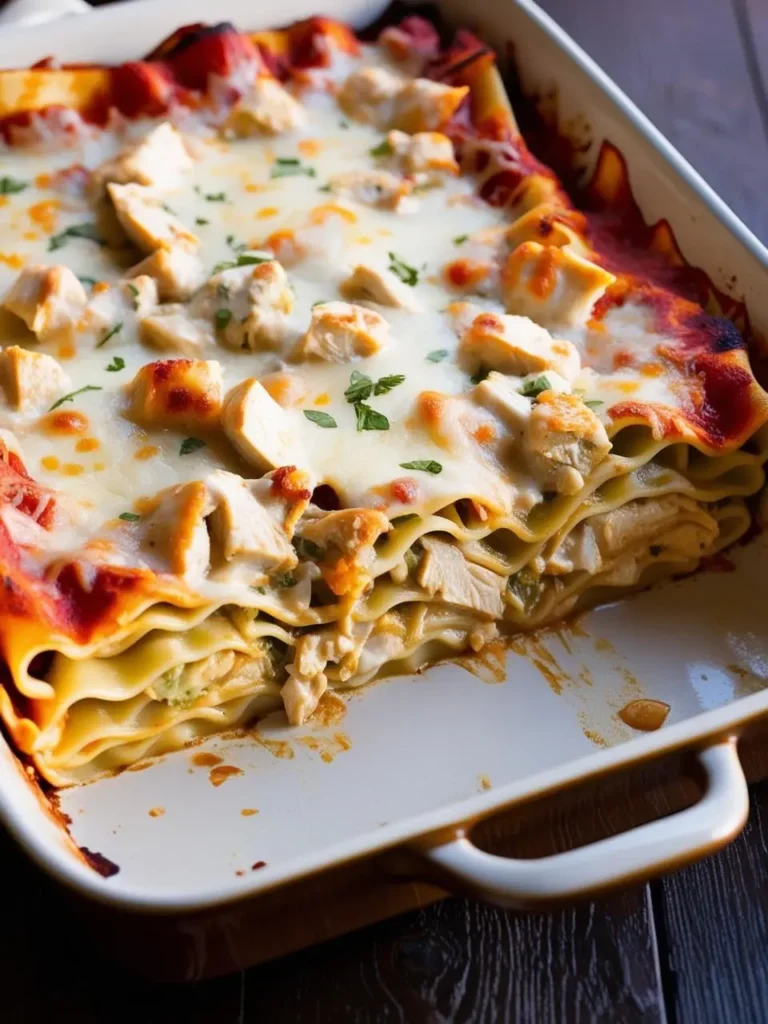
x=414, y=744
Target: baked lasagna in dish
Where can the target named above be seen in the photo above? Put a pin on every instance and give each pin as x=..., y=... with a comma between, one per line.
x=311, y=372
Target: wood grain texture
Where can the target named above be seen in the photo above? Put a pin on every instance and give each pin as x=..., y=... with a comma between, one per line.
x=682, y=62
x=713, y=926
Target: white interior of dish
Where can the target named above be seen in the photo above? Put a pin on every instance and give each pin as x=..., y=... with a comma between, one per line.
x=423, y=750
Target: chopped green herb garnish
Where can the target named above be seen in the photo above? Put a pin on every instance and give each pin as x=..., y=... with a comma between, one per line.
x=344, y=124
x=425, y=465
x=408, y=275
x=88, y=231
x=222, y=318
x=215, y=197
x=460, y=239
x=222, y=290
x=129, y=517
x=307, y=550
x=286, y=580
x=191, y=444
x=369, y=419
x=383, y=149
x=118, y=363
x=525, y=587
x=259, y=590
x=168, y=209
x=319, y=302
x=438, y=355
x=385, y=384
x=135, y=293
x=243, y=260
x=86, y=282
x=201, y=221
x=324, y=188
x=10, y=186
x=322, y=419
x=480, y=376
x=288, y=167
x=533, y=388
x=594, y=403
x=360, y=388
x=111, y=333
x=73, y=394
x=236, y=246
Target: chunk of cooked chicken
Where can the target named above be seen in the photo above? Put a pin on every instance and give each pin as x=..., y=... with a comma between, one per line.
x=500, y=395
x=444, y=572
x=266, y=109
x=174, y=532
x=248, y=305
x=346, y=540
x=246, y=533
x=171, y=329
x=565, y=441
x=548, y=224
x=339, y=332
x=50, y=300
x=550, y=285
x=177, y=272
x=160, y=160
x=141, y=293
x=425, y=106
x=515, y=345
x=368, y=95
x=259, y=429
x=382, y=189
x=30, y=380
x=423, y=152
x=306, y=679
x=177, y=393
x=380, y=286
x=143, y=218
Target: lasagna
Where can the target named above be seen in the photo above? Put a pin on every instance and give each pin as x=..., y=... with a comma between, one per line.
x=312, y=373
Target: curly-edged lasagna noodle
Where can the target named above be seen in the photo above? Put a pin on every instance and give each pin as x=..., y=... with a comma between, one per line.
x=311, y=373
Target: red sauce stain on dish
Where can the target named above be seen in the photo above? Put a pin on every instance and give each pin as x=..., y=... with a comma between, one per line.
x=248, y=812
x=329, y=711
x=542, y=659
x=105, y=867
x=204, y=760
x=222, y=772
x=645, y=715
x=156, y=812
x=717, y=563
x=258, y=864
x=277, y=748
x=488, y=664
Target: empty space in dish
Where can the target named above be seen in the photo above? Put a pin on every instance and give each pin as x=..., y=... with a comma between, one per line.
x=411, y=745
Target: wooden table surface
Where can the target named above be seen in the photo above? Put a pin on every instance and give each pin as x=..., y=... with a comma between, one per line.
x=689, y=948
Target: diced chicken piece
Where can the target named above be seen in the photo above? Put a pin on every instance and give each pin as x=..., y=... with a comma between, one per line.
x=259, y=429
x=307, y=681
x=171, y=329
x=547, y=224
x=565, y=441
x=579, y=551
x=443, y=571
x=246, y=531
x=144, y=220
x=552, y=286
x=141, y=293
x=50, y=300
x=380, y=286
x=425, y=106
x=500, y=395
x=368, y=95
x=647, y=520
x=339, y=332
x=177, y=272
x=372, y=188
x=249, y=305
x=175, y=532
x=515, y=345
x=266, y=109
x=346, y=539
x=423, y=152
x=177, y=393
x=159, y=160
x=30, y=380
x=286, y=492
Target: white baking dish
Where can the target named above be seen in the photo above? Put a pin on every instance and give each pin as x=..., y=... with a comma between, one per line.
x=416, y=761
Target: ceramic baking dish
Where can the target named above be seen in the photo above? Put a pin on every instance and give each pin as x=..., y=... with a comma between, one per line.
x=350, y=812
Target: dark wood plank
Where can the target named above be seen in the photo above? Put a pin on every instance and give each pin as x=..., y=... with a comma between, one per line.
x=713, y=927
x=682, y=62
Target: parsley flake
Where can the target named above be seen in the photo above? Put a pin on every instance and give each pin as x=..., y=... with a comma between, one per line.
x=222, y=318
x=286, y=580
x=111, y=333
x=321, y=419
x=73, y=394
x=307, y=550
x=360, y=388
x=385, y=384
x=438, y=355
x=118, y=363
x=594, y=403
x=129, y=517
x=191, y=444
x=87, y=231
x=201, y=221
x=480, y=376
x=424, y=465
x=533, y=388
x=460, y=239
x=10, y=186
x=215, y=197
x=369, y=419
x=290, y=167
x=86, y=282
x=383, y=149
x=408, y=275
x=243, y=260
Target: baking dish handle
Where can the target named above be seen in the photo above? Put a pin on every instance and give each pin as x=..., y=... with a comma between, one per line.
x=635, y=855
x=35, y=12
